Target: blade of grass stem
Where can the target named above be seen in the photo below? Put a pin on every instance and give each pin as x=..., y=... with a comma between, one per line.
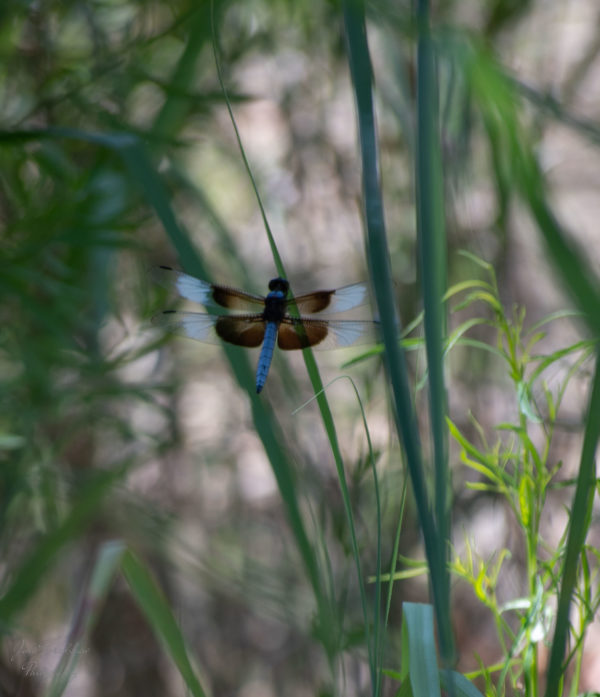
x=432, y=247
x=360, y=68
x=394, y=559
x=156, y=608
x=580, y=519
x=419, y=658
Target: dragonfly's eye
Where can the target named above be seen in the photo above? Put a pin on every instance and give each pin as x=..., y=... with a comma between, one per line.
x=279, y=284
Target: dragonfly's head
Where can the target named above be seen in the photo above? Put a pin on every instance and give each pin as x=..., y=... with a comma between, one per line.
x=279, y=284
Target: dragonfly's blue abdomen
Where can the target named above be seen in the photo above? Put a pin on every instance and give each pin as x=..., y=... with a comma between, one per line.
x=266, y=355
x=273, y=314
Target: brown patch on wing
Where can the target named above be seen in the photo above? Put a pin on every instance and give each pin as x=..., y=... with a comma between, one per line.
x=246, y=330
x=299, y=334
x=235, y=299
x=314, y=302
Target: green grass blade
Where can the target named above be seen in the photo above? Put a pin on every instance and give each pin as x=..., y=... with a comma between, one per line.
x=462, y=687
x=432, y=246
x=581, y=513
x=360, y=67
x=419, y=658
x=156, y=608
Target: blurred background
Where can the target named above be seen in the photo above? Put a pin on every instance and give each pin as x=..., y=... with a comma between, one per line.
x=102, y=99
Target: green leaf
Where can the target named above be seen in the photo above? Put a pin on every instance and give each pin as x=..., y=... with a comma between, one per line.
x=457, y=685
x=524, y=399
x=524, y=500
x=580, y=519
x=156, y=608
x=419, y=658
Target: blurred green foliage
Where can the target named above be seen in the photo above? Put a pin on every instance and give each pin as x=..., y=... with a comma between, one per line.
x=116, y=153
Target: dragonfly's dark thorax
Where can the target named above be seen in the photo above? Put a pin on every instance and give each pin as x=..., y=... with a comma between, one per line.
x=274, y=307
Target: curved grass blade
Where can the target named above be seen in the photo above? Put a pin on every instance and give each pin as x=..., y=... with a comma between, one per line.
x=156, y=608
x=581, y=514
x=360, y=67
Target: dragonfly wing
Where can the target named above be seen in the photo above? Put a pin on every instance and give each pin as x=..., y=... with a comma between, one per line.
x=242, y=330
x=195, y=325
x=205, y=293
x=298, y=334
x=325, y=334
x=336, y=300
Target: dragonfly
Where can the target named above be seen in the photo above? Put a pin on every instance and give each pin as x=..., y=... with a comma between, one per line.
x=266, y=320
